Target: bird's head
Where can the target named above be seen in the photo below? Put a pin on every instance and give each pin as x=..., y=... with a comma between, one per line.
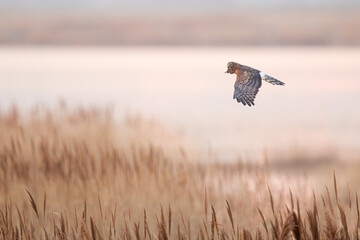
x=231, y=67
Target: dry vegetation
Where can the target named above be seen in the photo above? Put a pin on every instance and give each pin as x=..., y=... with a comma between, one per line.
x=71, y=174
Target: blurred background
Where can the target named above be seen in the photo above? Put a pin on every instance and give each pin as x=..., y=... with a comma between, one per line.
x=165, y=61
x=108, y=105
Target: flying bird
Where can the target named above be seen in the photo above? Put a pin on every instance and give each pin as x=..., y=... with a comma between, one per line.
x=248, y=82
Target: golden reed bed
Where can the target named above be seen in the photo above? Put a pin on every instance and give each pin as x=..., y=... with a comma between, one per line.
x=78, y=174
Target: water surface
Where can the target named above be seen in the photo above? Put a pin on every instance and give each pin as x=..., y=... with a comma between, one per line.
x=316, y=112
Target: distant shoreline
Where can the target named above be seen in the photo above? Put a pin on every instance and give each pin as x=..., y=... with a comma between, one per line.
x=247, y=28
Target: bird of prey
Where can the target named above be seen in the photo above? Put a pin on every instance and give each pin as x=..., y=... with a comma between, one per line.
x=248, y=82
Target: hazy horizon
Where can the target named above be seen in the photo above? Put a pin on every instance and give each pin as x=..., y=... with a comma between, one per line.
x=277, y=27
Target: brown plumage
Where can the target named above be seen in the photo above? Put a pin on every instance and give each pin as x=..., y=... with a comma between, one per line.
x=248, y=82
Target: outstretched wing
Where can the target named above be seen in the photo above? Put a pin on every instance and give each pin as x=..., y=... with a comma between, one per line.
x=246, y=87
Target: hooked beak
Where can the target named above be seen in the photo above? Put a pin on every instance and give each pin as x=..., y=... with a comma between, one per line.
x=227, y=71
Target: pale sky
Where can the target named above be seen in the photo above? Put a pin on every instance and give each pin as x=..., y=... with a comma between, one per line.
x=173, y=5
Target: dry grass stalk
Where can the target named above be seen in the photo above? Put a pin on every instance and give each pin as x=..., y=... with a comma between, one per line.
x=343, y=222
x=145, y=225
x=271, y=201
x=101, y=211
x=349, y=195
x=358, y=218
x=297, y=226
x=44, y=205
x=137, y=230
x=214, y=223
x=313, y=221
x=206, y=230
x=228, y=209
x=275, y=229
x=263, y=222
x=291, y=200
x=206, y=205
x=247, y=235
x=84, y=231
x=336, y=189
x=162, y=235
x=331, y=230
x=287, y=228
x=330, y=203
x=169, y=220
x=33, y=204
x=92, y=227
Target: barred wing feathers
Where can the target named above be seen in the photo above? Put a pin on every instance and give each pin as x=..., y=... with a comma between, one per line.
x=246, y=87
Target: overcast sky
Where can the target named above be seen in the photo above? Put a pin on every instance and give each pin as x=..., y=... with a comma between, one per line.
x=173, y=5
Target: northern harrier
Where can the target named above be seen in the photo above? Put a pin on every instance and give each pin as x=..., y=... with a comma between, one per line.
x=248, y=82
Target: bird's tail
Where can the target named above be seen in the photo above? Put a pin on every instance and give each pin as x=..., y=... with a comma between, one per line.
x=270, y=79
